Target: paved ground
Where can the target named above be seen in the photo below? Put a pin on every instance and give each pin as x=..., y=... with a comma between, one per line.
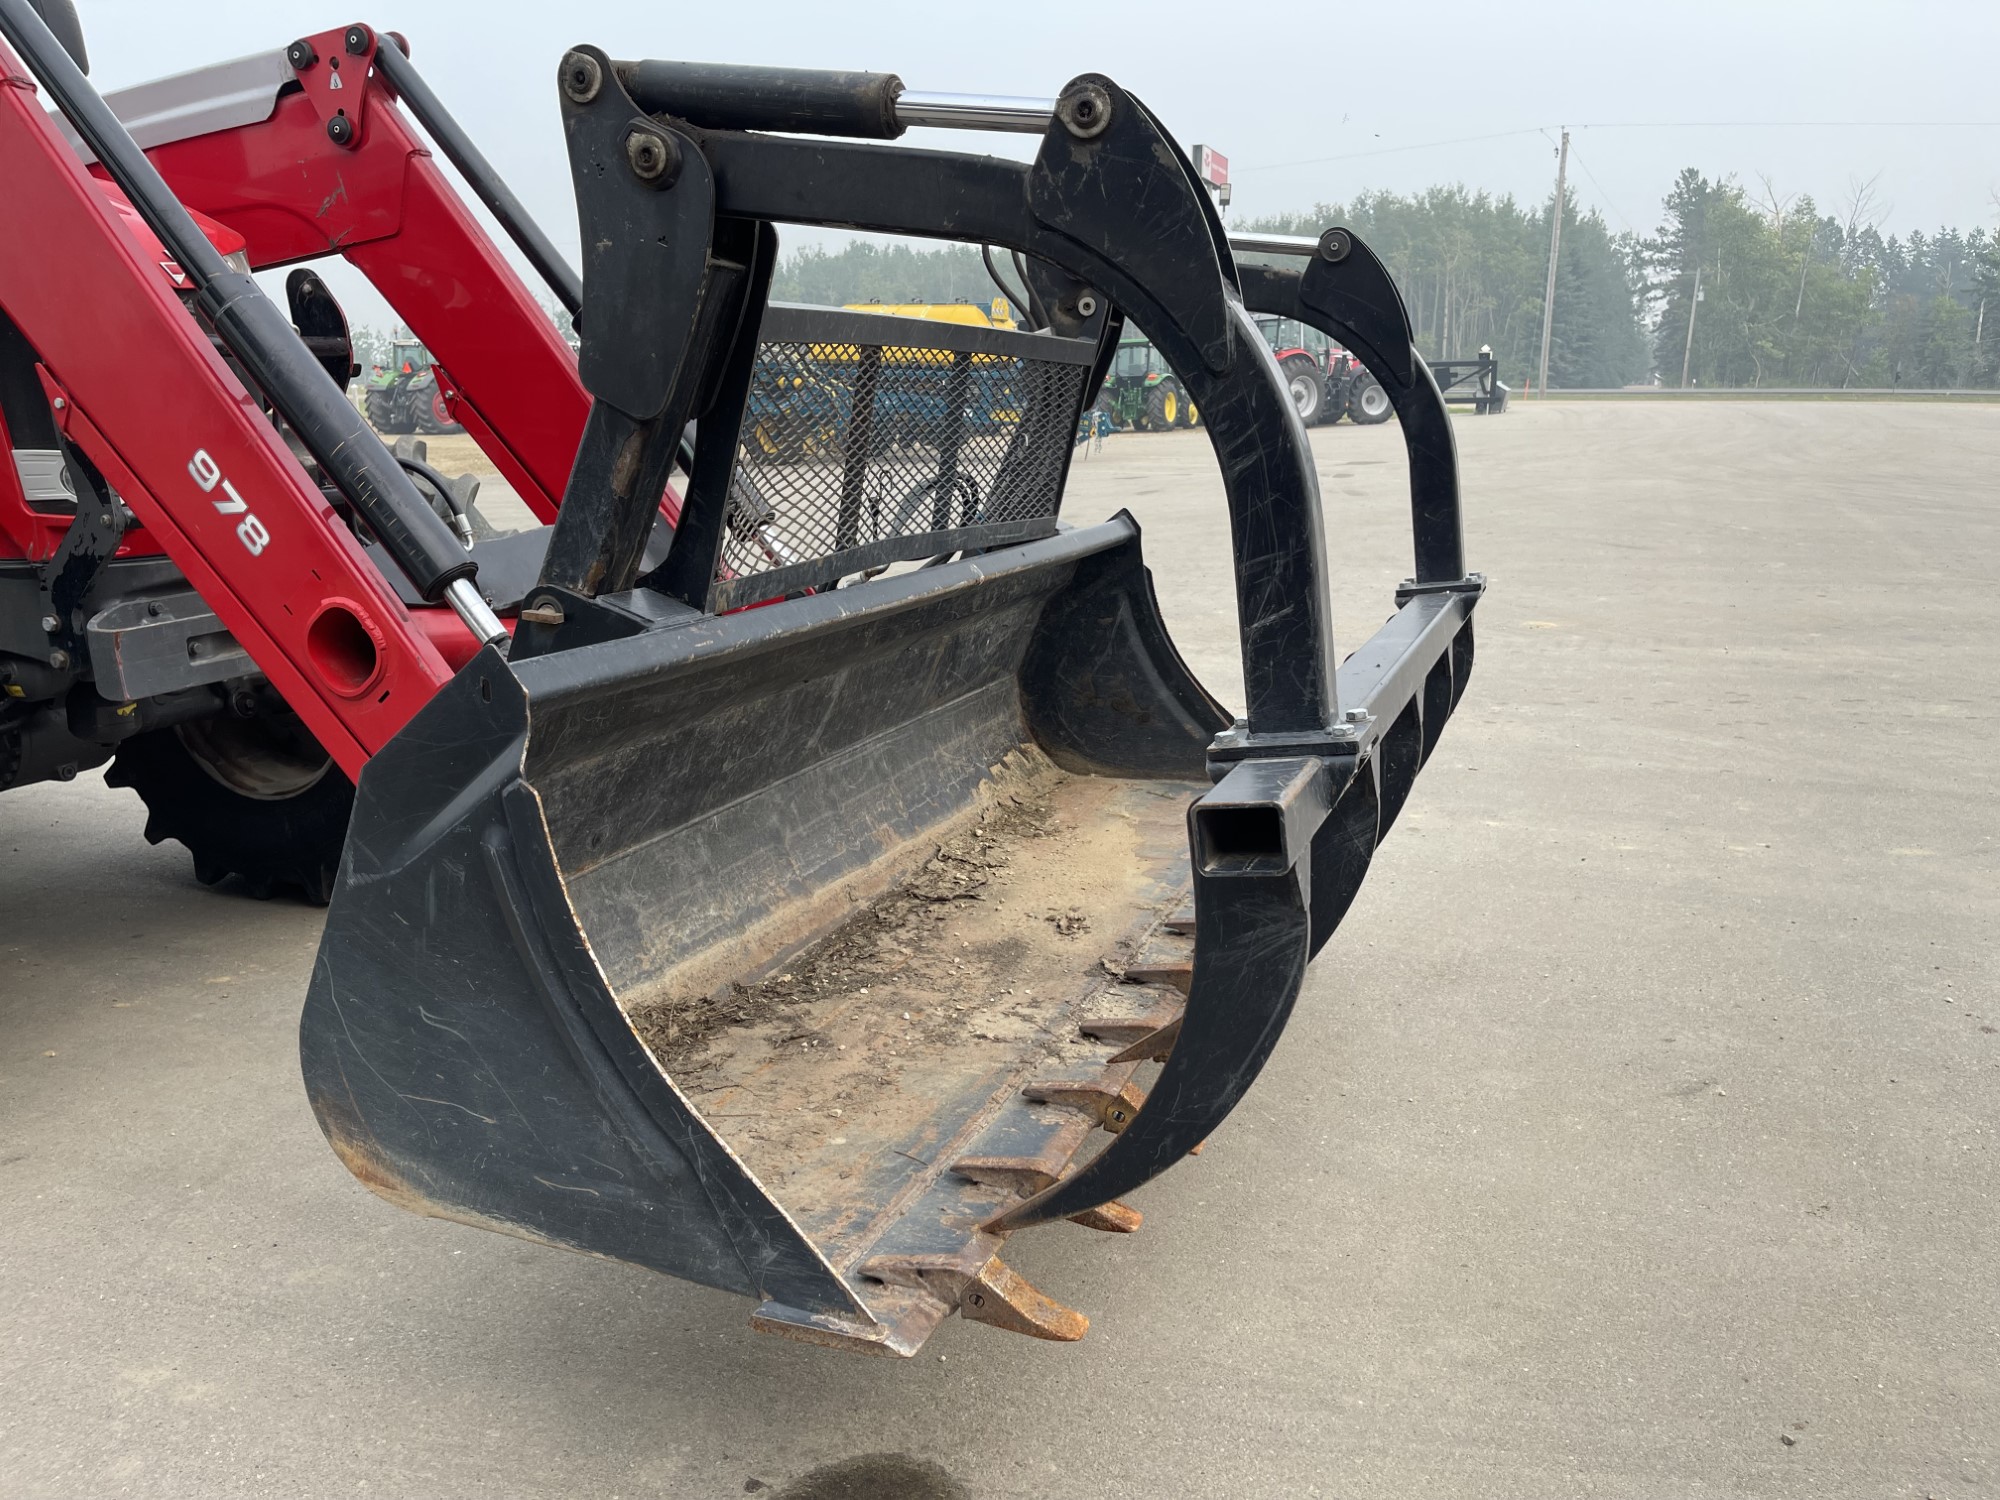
x=1636, y=1136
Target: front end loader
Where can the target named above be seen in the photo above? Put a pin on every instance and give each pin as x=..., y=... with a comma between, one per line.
x=816, y=881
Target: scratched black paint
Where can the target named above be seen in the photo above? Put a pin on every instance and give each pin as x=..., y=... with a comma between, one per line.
x=651, y=782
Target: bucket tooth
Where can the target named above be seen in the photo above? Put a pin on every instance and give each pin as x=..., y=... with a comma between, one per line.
x=1154, y=1046
x=1112, y=1218
x=1174, y=976
x=1028, y=1175
x=1111, y=1099
x=983, y=1290
x=1005, y=1298
x=1124, y=1030
x=1180, y=923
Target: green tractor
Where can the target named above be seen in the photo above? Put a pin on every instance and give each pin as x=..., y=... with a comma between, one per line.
x=404, y=396
x=1141, y=394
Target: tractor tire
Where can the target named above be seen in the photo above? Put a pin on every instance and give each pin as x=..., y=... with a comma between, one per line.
x=384, y=411
x=1163, y=407
x=433, y=416
x=1307, y=386
x=251, y=797
x=1367, y=402
x=1190, y=417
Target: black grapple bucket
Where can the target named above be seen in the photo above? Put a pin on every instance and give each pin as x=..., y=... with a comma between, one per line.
x=810, y=950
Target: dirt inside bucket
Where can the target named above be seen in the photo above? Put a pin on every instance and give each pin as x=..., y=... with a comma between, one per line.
x=938, y=999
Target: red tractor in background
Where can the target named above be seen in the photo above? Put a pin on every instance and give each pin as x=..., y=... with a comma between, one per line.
x=1326, y=381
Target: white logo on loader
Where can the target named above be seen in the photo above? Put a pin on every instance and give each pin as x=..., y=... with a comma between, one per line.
x=208, y=474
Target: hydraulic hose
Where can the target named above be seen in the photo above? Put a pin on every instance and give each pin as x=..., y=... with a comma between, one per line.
x=264, y=342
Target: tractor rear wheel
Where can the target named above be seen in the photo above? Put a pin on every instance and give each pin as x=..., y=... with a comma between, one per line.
x=384, y=411
x=433, y=415
x=1163, y=406
x=253, y=797
x=1368, y=403
x=1307, y=386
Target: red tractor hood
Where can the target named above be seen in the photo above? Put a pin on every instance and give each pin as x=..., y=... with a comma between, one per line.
x=225, y=240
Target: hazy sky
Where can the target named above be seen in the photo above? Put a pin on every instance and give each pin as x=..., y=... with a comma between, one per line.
x=1309, y=103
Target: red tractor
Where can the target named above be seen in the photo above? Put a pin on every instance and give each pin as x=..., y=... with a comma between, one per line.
x=1326, y=382
x=678, y=810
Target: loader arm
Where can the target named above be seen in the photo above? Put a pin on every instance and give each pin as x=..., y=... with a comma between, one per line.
x=205, y=471
x=247, y=142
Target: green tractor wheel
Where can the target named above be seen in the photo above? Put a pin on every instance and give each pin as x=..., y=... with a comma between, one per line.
x=384, y=411
x=1163, y=407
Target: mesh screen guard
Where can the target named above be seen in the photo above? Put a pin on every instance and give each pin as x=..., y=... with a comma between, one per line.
x=870, y=439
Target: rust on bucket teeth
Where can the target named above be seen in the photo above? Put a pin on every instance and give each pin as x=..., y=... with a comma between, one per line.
x=1173, y=976
x=1154, y=1046
x=1112, y=1099
x=1126, y=1029
x=1027, y=1175
x=987, y=1291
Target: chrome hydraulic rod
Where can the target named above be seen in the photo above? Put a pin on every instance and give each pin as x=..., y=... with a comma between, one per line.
x=999, y=112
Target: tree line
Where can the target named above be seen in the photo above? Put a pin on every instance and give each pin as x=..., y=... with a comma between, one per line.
x=1788, y=295
x=1473, y=269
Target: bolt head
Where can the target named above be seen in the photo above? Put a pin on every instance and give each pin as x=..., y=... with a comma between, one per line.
x=1085, y=110
x=1358, y=716
x=1086, y=306
x=50, y=624
x=59, y=660
x=60, y=404
x=582, y=78
x=66, y=771
x=654, y=156
x=1336, y=245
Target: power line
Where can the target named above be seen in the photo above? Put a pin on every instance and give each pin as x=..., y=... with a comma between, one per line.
x=1577, y=157
x=1793, y=125
x=1459, y=140
x=1542, y=130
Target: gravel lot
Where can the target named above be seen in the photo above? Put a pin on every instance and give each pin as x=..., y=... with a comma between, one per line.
x=1636, y=1135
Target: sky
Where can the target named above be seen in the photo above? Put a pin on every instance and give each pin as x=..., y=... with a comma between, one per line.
x=1309, y=103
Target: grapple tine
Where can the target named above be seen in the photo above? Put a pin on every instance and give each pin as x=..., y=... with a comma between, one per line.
x=1253, y=937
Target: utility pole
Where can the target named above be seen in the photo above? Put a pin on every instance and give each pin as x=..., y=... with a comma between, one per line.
x=1693, y=302
x=1555, y=249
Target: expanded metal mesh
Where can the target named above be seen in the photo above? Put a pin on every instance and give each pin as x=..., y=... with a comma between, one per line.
x=856, y=455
